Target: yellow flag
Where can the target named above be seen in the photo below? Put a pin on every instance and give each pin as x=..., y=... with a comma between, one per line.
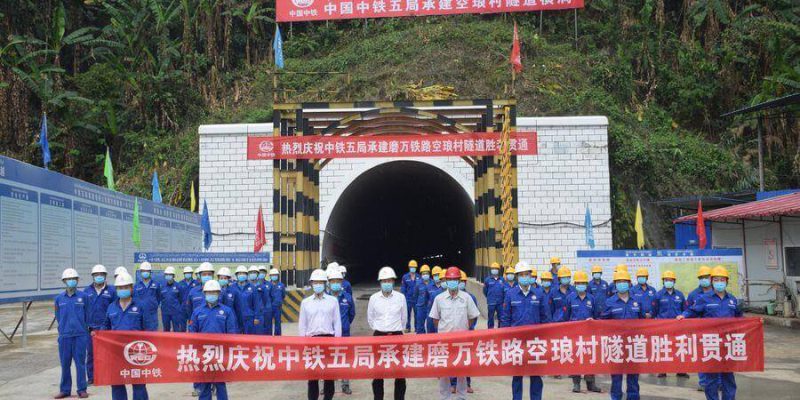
x=638, y=225
x=193, y=199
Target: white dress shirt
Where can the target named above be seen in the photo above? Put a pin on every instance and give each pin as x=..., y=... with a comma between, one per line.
x=319, y=316
x=387, y=313
x=453, y=312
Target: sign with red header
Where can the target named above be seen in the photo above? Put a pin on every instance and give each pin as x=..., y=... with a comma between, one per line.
x=570, y=348
x=319, y=10
x=412, y=145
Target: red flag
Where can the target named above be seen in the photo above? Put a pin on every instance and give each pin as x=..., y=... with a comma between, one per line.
x=261, y=238
x=516, y=56
x=701, y=226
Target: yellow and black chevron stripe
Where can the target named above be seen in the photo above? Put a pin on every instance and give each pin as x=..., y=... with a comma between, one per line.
x=291, y=305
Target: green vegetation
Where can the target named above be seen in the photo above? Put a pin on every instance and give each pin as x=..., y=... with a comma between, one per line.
x=140, y=75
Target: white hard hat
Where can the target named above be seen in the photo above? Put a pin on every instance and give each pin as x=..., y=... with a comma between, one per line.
x=253, y=268
x=334, y=273
x=145, y=266
x=188, y=269
x=331, y=265
x=263, y=268
x=205, y=267
x=69, y=273
x=169, y=271
x=319, y=275
x=224, y=271
x=386, y=273
x=241, y=268
x=123, y=280
x=99, y=269
x=522, y=266
x=120, y=270
x=343, y=269
x=211, y=286
x=274, y=271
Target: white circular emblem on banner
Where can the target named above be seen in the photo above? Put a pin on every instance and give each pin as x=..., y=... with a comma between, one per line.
x=140, y=352
x=303, y=3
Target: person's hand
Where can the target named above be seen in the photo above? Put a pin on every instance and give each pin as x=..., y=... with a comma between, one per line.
x=648, y=315
x=255, y=322
x=590, y=319
x=93, y=333
x=679, y=317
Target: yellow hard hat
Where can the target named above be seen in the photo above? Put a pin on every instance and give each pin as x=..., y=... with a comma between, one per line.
x=720, y=271
x=642, y=272
x=442, y=273
x=436, y=270
x=596, y=269
x=564, y=272
x=425, y=268
x=547, y=276
x=412, y=263
x=510, y=270
x=463, y=276
x=668, y=275
x=555, y=260
x=495, y=265
x=622, y=276
x=704, y=270
x=533, y=272
x=620, y=267
x=581, y=277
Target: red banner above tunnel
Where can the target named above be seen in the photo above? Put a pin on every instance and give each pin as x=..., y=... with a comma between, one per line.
x=415, y=145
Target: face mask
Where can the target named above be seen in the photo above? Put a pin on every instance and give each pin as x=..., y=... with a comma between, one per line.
x=510, y=277
x=241, y=278
x=622, y=287
x=412, y=270
x=205, y=278
x=187, y=276
x=336, y=287
x=669, y=284
x=452, y=285
x=99, y=279
x=262, y=276
x=425, y=277
x=72, y=283
x=386, y=287
x=212, y=298
x=720, y=286
x=524, y=281
x=564, y=281
x=642, y=280
x=223, y=282
x=580, y=287
x=252, y=276
x=436, y=279
x=547, y=283
x=462, y=286
x=495, y=272
x=705, y=282
x=318, y=288
x=123, y=293
x=273, y=278
x=170, y=278
x=146, y=274
x=597, y=276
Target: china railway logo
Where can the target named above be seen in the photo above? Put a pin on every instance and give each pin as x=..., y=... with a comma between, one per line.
x=303, y=3
x=265, y=146
x=140, y=352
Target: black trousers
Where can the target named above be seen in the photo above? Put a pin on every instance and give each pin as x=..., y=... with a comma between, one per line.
x=399, y=384
x=328, y=387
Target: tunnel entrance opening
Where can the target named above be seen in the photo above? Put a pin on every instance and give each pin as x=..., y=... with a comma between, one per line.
x=399, y=211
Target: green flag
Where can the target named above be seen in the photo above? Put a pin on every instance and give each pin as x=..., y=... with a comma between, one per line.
x=136, y=236
x=108, y=171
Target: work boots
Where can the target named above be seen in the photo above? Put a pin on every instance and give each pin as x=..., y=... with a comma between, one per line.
x=576, y=384
x=590, y=386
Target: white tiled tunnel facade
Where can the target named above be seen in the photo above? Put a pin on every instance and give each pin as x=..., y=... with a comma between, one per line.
x=569, y=173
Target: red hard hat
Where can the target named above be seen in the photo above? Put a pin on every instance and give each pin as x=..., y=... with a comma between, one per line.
x=452, y=273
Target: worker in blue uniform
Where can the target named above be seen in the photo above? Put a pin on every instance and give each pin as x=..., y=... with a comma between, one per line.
x=100, y=295
x=72, y=314
x=643, y=292
x=669, y=303
x=509, y=281
x=546, y=287
x=462, y=286
x=278, y=293
x=421, y=303
x=187, y=284
x=623, y=306
x=582, y=306
x=524, y=305
x=252, y=302
x=196, y=299
x=557, y=297
x=264, y=288
x=703, y=287
x=717, y=304
x=125, y=315
x=347, y=309
x=433, y=291
x=345, y=283
x=494, y=292
x=213, y=317
x=147, y=294
x=228, y=296
x=598, y=288
x=408, y=283
x=173, y=312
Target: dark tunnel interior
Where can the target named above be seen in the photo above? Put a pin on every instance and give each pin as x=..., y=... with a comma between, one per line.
x=399, y=211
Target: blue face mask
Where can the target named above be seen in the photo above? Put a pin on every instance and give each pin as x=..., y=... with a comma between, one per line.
x=99, y=279
x=412, y=270
x=436, y=278
x=273, y=278
x=642, y=280
x=386, y=286
x=547, y=283
x=261, y=276
x=205, y=278
x=510, y=277
x=252, y=276
x=336, y=287
x=212, y=298
x=669, y=284
x=452, y=285
x=705, y=282
x=146, y=274
x=426, y=277
x=123, y=293
x=223, y=282
x=597, y=276
x=622, y=287
x=187, y=276
x=564, y=281
x=524, y=280
x=72, y=283
x=495, y=272
x=241, y=277
x=462, y=286
x=580, y=287
x=170, y=278
x=318, y=288
x=720, y=286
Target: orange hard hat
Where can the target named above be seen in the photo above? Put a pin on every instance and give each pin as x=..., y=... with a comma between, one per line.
x=453, y=273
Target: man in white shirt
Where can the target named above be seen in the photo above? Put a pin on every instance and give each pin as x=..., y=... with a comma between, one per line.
x=453, y=311
x=387, y=314
x=319, y=316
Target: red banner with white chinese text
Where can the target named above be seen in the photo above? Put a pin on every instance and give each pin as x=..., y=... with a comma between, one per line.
x=412, y=145
x=585, y=347
x=318, y=10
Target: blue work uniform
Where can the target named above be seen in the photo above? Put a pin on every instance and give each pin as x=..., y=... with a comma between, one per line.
x=265, y=290
x=129, y=319
x=213, y=319
x=347, y=311
x=557, y=301
x=710, y=305
x=599, y=289
x=616, y=308
x=98, y=305
x=521, y=309
x=148, y=296
x=645, y=296
x=494, y=291
x=669, y=305
x=278, y=293
x=229, y=297
x=433, y=291
x=72, y=314
x=702, y=378
x=581, y=309
x=250, y=307
x=347, y=287
x=173, y=315
x=194, y=300
x=421, y=304
x=407, y=286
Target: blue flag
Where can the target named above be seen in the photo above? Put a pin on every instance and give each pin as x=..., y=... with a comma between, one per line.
x=277, y=47
x=43, y=143
x=205, y=225
x=589, y=228
x=156, y=189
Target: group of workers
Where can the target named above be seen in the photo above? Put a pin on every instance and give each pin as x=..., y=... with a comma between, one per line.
x=435, y=297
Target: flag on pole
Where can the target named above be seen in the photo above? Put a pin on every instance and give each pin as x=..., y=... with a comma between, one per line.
x=587, y=221
x=701, y=227
x=205, y=224
x=193, y=204
x=156, y=188
x=108, y=171
x=277, y=47
x=43, y=143
x=136, y=236
x=638, y=225
x=516, y=55
x=261, y=238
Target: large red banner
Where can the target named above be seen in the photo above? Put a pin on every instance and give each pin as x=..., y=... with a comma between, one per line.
x=412, y=145
x=316, y=10
x=586, y=347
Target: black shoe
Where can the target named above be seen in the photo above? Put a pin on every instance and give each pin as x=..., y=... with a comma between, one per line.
x=682, y=375
x=576, y=388
x=593, y=388
x=557, y=377
x=700, y=389
x=662, y=375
